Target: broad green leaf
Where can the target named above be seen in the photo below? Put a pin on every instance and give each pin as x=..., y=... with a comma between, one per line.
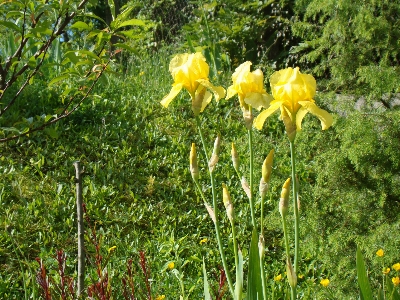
x=89, y=53
x=365, y=288
x=126, y=47
x=80, y=25
x=254, y=284
x=11, y=25
x=58, y=78
x=131, y=22
x=207, y=295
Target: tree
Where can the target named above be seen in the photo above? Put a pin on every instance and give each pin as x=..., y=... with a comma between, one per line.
x=35, y=47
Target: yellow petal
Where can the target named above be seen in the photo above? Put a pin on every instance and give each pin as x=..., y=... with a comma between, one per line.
x=177, y=62
x=299, y=117
x=219, y=91
x=206, y=100
x=259, y=121
x=176, y=88
x=230, y=92
x=325, y=117
x=258, y=100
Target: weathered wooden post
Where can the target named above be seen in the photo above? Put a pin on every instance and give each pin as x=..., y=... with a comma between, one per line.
x=81, y=247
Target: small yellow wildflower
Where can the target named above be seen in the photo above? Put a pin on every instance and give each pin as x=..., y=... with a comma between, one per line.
x=396, y=267
x=171, y=265
x=141, y=73
x=324, y=282
x=380, y=253
x=301, y=276
x=386, y=271
x=111, y=249
x=161, y=297
x=396, y=280
x=278, y=277
x=203, y=241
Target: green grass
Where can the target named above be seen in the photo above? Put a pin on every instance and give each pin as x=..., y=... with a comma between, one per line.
x=140, y=196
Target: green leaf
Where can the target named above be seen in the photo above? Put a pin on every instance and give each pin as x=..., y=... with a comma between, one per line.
x=131, y=22
x=126, y=47
x=207, y=295
x=239, y=277
x=11, y=25
x=254, y=284
x=80, y=25
x=365, y=288
x=90, y=54
x=58, y=78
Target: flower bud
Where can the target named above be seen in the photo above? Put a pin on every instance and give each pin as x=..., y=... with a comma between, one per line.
x=263, y=188
x=235, y=158
x=210, y=211
x=261, y=247
x=291, y=274
x=194, y=168
x=246, y=187
x=226, y=197
x=214, y=157
x=267, y=166
x=284, y=200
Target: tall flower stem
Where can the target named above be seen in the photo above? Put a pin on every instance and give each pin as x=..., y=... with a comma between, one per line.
x=296, y=208
x=250, y=136
x=215, y=207
x=292, y=289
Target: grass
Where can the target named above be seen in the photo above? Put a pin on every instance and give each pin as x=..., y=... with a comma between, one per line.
x=139, y=193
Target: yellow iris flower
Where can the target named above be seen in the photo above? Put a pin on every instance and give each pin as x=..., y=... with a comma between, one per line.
x=293, y=94
x=249, y=86
x=190, y=71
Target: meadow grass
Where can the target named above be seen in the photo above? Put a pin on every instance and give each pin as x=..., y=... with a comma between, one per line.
x=139, y=193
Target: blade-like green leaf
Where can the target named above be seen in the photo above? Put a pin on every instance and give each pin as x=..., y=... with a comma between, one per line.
x=365, y=288
x=207, y=295
x=112, y=8
x=10, y=25
x=239, y=277
x=254, y=284
x=58, y=78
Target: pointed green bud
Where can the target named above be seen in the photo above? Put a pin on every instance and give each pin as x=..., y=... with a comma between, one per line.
x=226, y=197
x=194, y=168
x=291, y=274
x=214, y=157
x=197, y=101
x=235, y=158
x=284, y=200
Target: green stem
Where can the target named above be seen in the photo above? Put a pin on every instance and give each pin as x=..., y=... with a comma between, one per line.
x=296, y=208
x=215, y=207
x=250, y=135
x=292, y=290
x=264, y=284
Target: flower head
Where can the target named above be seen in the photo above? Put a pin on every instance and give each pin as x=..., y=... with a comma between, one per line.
x=396, y=267
x=171, y=265
x=293, y=94
x=278, y=277
x=324, y=282
x=161, y=297
x=203, y=241
x=396, y=281
x=249, y=86
x=190, y=71
x=380, y=253
x=386, y=271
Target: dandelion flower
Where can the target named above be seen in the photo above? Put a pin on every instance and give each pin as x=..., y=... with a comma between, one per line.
x=324, y=282
x=386, y=271
x=278, y=277
x=161, y=297
x=203, y=241
x=380, y=253
x=396, y=267
x=396, y=280
x=171, y=265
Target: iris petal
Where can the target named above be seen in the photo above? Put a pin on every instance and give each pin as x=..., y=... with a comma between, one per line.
x=219, y=91
x=325, y=118
x=176, y=88
x=258, y=100
x=259, y=121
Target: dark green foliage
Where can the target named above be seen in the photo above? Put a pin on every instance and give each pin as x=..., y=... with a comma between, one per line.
x=353, y=45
